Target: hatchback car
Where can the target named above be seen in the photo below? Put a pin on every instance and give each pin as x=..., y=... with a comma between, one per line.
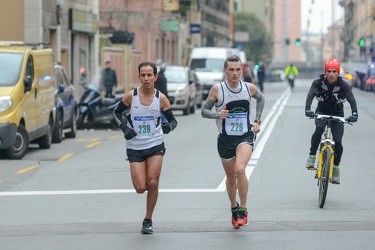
x=65, y=105
x=347, y=77
x=199, y=89
x=181, y=88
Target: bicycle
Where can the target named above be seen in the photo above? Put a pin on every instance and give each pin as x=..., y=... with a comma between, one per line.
x=326, y=156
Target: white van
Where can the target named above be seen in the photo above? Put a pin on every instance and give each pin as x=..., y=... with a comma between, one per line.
x=208, y=65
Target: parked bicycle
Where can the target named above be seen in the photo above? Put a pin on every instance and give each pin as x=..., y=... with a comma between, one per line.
x=326, y=156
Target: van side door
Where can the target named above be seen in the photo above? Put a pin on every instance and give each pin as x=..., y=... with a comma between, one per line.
x=29, y=108
x=45, y=98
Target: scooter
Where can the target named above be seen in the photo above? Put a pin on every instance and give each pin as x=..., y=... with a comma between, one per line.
x=94, y=108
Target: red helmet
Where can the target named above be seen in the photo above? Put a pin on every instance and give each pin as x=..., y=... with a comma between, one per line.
x=332, y=64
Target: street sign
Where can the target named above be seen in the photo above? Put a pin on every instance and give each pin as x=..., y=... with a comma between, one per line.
x=195, y=28
x=241, y=36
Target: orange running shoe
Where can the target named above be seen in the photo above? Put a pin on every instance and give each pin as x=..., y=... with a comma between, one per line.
x=235, y=216
x=242, y=217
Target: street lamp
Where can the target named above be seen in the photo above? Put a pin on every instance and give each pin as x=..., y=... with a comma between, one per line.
x=59, y=7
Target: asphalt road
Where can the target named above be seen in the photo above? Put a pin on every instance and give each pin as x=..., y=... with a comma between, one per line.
x=78, y=194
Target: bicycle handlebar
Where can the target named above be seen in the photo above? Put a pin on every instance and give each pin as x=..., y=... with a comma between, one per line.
x=331, y=117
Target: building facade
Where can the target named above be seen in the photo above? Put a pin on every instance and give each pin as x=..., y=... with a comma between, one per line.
x=285, y=28
x=68, y=27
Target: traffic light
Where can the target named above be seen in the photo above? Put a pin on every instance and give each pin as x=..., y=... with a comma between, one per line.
x=256, y=66
x=298, y=42
x=361, y=42
x=287, y=41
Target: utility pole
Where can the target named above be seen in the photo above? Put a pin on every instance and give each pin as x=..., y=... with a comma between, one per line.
x=322, y=40
x=333, y=29
x=284, y=31
x=231, y=23
x=126, y=15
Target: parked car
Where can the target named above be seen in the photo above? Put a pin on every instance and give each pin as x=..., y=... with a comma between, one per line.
x=358, y=71
x=347, y=76
x=276, y=75
x=181, y=88
x=199, y=88
x=66, y=106
x=370, y=80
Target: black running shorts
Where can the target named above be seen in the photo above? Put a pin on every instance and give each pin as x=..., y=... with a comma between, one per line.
x=227, y=144
x=142, y=155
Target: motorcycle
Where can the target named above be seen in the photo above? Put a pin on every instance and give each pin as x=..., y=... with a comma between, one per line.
x=95, y=108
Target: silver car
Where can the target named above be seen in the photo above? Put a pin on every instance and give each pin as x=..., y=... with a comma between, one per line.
x=181, y=88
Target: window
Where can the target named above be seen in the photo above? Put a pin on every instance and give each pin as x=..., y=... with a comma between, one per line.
x=10, y=68
x=30, y=68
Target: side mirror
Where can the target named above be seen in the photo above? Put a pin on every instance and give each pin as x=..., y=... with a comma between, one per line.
x=28, y=82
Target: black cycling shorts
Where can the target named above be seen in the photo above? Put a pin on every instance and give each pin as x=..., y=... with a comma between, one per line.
x=227, y=144
x=142, y=155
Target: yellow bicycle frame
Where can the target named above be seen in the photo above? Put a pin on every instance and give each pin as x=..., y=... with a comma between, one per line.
x=319, y=171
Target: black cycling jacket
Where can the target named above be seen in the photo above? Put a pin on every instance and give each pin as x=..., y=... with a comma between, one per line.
x=331, y=105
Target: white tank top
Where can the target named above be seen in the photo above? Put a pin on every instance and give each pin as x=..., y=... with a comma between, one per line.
x=237, y=101
x=146, y=122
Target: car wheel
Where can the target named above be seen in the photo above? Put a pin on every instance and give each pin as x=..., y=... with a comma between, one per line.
x=46, y=140
x=73, y=127
x=199, y=104
x=20, y=146
x=186, y=111
x=192, y=109
x=57, y=134
x=80, y=120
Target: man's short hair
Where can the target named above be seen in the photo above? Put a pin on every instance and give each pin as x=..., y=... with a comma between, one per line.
x=107, y=62
x=233, y=58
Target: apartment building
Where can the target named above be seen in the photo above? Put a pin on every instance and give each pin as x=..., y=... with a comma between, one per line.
x=68, y=26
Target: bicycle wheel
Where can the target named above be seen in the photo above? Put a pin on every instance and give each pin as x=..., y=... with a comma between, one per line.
x=324, y=179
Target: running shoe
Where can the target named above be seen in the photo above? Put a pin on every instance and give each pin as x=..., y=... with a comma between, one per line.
x=336, y=175
x=242, y=217
x=310, y=163
x=147, y=227
x=235, y=216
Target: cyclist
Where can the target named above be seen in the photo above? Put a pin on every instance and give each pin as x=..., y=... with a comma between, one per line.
x=290, y=73
x=331, y=91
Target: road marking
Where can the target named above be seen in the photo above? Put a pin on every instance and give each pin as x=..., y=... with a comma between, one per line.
x=222, y=186
x=114, y=136
x=267, y=126
x=26, y=169
x=277, y=108
x=91, y=145
x=62, y=158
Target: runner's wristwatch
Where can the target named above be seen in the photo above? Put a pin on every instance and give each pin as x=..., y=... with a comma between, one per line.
x=259, y=121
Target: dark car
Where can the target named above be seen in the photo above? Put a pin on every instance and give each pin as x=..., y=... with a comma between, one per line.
x=370, y=79
x=66, y=106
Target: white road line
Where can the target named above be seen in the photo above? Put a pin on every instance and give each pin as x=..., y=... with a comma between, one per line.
x=276, y=112
x=267, y=126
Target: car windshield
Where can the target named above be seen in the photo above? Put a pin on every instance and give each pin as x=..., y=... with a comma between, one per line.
x=207, y=64
x=10, y=68
x=175, y=75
